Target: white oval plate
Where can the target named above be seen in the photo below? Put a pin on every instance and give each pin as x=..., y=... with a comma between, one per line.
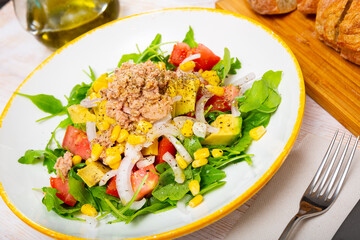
x=258, y=49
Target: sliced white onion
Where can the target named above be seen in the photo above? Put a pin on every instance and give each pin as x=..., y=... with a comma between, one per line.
x=165, y=129
x=241, y=81
x=211, y=129
x=146, y=161
x=107, y=177
x=179, y=121
x=90, y=131
x=86, y=102
x=179, y=174
x=123, y=177
x=199, y=109
x=191, y=57
x=162, y=121
x=235, y=109
x=199, y=129
x=177, y=98
x=180, y=148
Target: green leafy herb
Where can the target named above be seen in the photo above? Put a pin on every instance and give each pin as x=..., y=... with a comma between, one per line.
x=78, y=93
x=192, y=144
x=46, y=103
x=210, y=175
x=189, y=38
x=78, y=191
x=91, y=75
x=227, y=65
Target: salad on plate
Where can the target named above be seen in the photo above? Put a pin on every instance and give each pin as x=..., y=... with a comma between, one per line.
x=154, y=134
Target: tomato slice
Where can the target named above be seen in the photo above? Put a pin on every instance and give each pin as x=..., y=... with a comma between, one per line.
x=150, y=183
x=76, y=141
x=164, y=146
x=207, y=59
x=111, y=187
x=179, y=53
x=63, y=188
x=230, y=92
x=223, y=103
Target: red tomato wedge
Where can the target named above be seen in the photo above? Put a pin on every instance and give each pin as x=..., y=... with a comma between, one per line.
x=150, y=183
x=207, y=58
x=111, y=187
x=179, y=53
x=76, y=141
x=223, y=103
x=230, y=92
x=63, y=188
x=164, y=146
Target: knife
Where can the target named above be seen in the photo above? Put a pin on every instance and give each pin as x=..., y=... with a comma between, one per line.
x=350, y=229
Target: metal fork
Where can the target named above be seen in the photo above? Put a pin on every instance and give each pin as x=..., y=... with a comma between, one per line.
x=325, y=186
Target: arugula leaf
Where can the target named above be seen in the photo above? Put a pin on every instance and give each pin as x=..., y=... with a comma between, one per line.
x=271, y=103
x=78, y=93
x=46, y=103
x=192, y=144
x=32, y=156
x=50, y=199
x=210, y=175
x=74, y=169
x=211, y=116
x=255, y=96
x=272, y=79
x=189, y=38
x=128, y=57
x=235, y=64
x=150, y=209
x=91, y=75
x=227, y=65
x=78, y=191
x=211, y=187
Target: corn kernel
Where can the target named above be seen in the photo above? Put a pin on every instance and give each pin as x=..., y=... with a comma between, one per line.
x=115, y=133
x=88, y=161
x=89, y=210
x=162, y=66
x=217, y=152
x=113, y=155
x=257, y=133
x=153, y=149
x=121, y=147
x=218, y=91
x=96, y=151
x=199, y=162
x=124, y=134
x=136, y=139
x=182, y=163
x=115, y=165
x=76, y=159
x=201, y=153
x=144, y=126
x=94, y=95
x=196, y=201
x=188, y=66
x=194, y=187
x=110, y=120
x=103, y=125
x=211, y=77
x=100, y=83
x=186, y=130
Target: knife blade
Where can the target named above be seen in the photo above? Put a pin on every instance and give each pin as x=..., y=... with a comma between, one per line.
x=350, y=229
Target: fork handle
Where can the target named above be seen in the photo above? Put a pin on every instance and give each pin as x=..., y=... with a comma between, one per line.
x=291, y=225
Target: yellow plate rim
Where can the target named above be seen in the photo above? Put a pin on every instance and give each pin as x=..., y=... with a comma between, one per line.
x=219, y=213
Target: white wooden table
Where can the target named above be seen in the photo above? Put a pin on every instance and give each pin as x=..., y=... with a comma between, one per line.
x=20, y=53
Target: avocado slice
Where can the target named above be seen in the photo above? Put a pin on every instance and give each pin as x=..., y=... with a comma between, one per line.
x=229, y=128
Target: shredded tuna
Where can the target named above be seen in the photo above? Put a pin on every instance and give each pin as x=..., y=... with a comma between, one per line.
x=64, y=164
x=104, y=140
x=138, y=92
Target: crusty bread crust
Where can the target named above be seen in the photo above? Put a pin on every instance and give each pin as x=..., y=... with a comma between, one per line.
x=273, y=6
x=307, y=6
x=328, y=18
x=349, y=29
x=352, y=56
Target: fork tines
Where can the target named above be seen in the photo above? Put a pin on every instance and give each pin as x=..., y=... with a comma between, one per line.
x=330, y=177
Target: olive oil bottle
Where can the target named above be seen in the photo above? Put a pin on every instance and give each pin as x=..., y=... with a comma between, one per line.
x=56, y=22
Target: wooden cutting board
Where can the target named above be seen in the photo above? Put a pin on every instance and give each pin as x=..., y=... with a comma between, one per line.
x=329, y=79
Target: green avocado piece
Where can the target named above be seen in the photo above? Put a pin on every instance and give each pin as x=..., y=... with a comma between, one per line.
x=229, y=128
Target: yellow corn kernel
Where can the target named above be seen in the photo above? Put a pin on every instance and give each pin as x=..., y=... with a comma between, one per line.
x=196, y=201
x=113, y=155
x=88, y=161
x=182, y=163
x=123, y=136
x=89, y=210
x=199, y=162
x=94, y=95
x=121, y=147
x=144, y=126
x=76, y=159
x=218, y=91
x=186, y=130
x=153, y=149
x=211, y=77
x=194, y=187
x=115, y=133
x=201, y=153
x=136, y=139
x=103, y=125
x=100, y=83
x=257, y=133
x=162, y=66
x=217, y=152
x=115, y=165
x=96, y=151
x=188, y=66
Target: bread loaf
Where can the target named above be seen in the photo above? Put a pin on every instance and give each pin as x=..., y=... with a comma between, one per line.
x=273, y=6
x=307, y=6
x=338, y=25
